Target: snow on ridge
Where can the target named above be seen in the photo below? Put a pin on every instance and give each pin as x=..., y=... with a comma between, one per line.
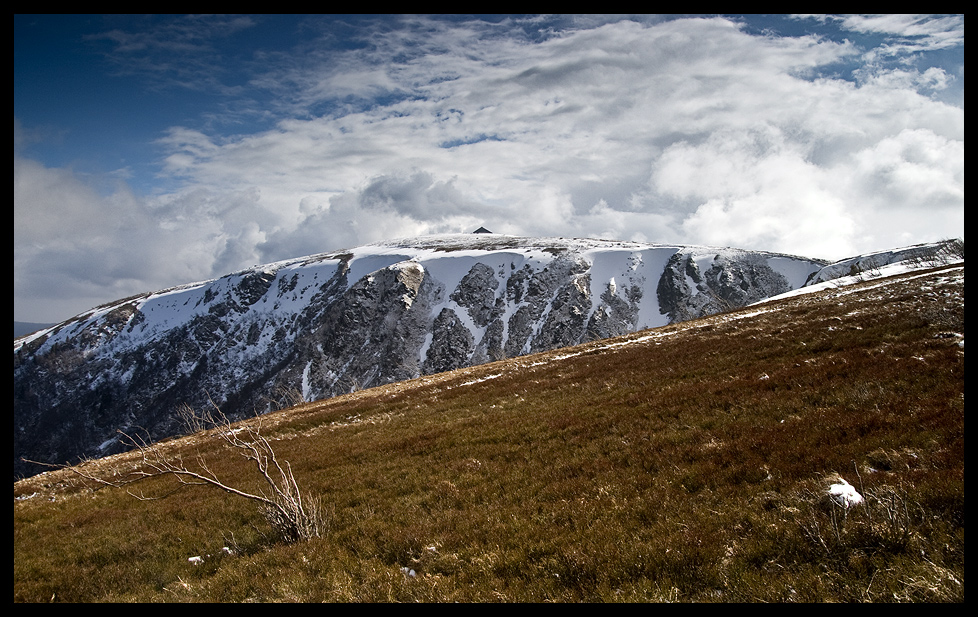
x=869, y=263
x=859, y=269
x=174, y=306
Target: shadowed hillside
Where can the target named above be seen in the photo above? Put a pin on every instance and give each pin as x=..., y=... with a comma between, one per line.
x=689, y=462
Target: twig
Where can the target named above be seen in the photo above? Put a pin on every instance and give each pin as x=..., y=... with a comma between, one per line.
x=283, y=506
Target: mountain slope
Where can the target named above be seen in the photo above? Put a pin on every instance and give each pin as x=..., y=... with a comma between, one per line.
x=315, y=327
x=690, y=462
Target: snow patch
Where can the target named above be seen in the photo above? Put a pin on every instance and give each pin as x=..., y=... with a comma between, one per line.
x=844, y=494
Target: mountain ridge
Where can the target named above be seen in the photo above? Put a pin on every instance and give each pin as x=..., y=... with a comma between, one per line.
x=313, y=327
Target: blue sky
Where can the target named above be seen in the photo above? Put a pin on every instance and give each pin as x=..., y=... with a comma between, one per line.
x=151, y=151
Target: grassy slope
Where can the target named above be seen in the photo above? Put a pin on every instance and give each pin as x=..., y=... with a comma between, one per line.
x=688, y=465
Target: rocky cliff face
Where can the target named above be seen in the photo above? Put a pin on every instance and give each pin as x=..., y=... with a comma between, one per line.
x=323, y=325
x=693, y=285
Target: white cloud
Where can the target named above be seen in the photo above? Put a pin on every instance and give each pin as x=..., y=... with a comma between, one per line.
x=914, y=32
x=909, y=186
x=756, y=190
x=78, y=244
x=932, y=78
x=688, y=130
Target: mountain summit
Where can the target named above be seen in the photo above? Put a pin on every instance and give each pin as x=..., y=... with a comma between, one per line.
x=309, y=328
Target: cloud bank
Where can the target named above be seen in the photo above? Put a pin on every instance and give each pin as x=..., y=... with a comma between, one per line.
x=697, y=130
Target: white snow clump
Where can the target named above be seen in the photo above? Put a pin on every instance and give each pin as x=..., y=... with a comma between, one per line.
x=845, y=494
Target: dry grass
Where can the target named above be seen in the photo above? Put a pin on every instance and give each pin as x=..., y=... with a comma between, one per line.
x=687, y=463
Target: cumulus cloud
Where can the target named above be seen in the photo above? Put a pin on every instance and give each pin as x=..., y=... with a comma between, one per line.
x=75, y=248
x=755, y=189
x=80, y=243
x=679, y=130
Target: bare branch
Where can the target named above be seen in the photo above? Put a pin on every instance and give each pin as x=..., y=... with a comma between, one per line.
x=282, y=506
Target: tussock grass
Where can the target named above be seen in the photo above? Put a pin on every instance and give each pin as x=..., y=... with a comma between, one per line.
x=689, y=464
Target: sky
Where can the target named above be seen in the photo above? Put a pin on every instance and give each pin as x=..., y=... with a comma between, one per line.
x=152, y=151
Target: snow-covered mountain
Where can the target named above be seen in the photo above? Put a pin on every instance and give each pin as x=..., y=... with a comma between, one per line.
x=314, y=327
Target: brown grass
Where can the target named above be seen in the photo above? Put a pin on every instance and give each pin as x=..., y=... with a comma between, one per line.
x=689, y=464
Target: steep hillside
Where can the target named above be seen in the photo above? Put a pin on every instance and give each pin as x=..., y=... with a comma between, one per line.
x=328, y=324
x=690, y=462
